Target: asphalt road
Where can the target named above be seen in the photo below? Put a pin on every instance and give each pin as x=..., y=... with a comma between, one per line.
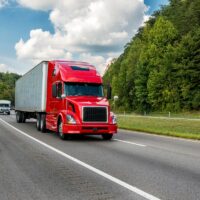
x=35, y=165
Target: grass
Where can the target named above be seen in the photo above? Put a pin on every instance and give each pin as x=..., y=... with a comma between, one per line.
x=190, y=115
x=183, y=128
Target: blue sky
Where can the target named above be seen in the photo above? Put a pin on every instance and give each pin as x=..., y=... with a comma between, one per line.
x=17, y=20
x=155, y=4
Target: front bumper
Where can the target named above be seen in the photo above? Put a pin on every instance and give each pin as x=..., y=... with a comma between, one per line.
x=93, y=129
x=4, y=111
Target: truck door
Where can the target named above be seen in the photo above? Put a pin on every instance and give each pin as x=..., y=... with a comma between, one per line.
x=55, y=106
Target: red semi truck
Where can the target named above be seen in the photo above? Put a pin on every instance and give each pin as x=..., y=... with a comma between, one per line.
x=65, y=97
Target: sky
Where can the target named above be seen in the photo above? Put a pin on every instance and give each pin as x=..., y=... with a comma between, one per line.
x=94, y=31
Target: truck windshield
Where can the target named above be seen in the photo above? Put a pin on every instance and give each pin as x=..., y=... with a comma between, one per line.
x=83, y=89
x=4, y=105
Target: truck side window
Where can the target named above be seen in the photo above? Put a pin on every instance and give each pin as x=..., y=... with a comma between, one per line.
x=59, y=90
x=54, y=72
x=54, y=90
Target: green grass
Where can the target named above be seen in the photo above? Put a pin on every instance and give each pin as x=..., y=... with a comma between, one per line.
x=190, y=115
x=172, y=127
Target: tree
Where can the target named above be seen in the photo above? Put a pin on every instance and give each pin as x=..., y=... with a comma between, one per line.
x=7, y=85
x=159, y=68
x=187, y=69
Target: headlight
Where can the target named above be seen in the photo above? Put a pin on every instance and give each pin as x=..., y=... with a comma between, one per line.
x=114, y=118
x=70, y=120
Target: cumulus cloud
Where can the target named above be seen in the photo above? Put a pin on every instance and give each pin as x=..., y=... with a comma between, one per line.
x=3, y=3
x=38, y=5
x=96, y=60
x=4, y=68
x=89, y=29
x=42, y=46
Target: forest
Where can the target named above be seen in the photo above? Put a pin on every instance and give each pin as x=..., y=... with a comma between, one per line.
x=159, y=69
x=7, y=86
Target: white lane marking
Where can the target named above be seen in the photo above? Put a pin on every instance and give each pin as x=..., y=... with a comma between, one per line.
x=133, y=143
x=162, y=136
x=93, y=169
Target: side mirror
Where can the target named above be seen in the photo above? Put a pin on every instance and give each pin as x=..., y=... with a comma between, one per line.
x=109, y=92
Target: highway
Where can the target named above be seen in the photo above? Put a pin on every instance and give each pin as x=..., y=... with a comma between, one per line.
x=35, y=165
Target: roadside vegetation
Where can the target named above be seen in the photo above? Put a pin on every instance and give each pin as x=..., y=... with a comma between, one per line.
x=7, y=86
x=159, y=68
x=158, y=73
x=185, y=128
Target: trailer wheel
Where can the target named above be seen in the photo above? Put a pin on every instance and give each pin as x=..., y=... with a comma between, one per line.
x=60, y=131
x=18, y=117
x=38, y=121
x=43, y=123
x=107, y=136
x=23, y=116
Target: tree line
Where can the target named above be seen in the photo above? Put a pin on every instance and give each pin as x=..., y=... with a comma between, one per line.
x=7, y=86
x=159, y=69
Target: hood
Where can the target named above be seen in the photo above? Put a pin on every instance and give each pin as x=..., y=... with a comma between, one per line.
x=88, y=101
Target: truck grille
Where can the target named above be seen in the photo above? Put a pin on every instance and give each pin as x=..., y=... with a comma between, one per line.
x=94, y=114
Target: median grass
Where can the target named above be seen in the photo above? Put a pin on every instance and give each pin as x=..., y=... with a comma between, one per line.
x=172, y=127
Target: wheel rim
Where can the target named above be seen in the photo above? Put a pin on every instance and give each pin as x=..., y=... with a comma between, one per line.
x=60, y=130
x=41, y=124
x=17, y=116
x=37, y=123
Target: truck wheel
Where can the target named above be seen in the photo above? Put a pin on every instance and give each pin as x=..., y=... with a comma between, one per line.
x=18, y=117
x=38, y=121
x=107, y=136
x=43, y=123
x=60, y=131
x=23, y=116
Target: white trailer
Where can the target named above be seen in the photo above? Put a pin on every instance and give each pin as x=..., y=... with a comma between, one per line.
x=31, y=89
x=30, y=92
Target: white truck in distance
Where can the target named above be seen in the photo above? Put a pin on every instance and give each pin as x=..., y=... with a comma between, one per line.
x=5, y=106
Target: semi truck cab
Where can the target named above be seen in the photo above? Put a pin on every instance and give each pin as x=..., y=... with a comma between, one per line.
x=76, y=103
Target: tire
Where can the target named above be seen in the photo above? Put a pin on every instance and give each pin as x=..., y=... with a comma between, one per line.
x=23, y=116
x=107, y=136
x=60, y=131
x=43, y=123
x=38, y=121
x=8, y=113
x=18, y=117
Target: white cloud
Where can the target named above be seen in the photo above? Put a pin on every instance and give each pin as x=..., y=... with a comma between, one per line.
x=85, y=28
x=3, y=3
x=42, y=46
x=4, y=68
x=38, y=4
x=16, y=66
x=97, y=61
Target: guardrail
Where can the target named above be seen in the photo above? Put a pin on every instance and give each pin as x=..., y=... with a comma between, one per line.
x=158, y=117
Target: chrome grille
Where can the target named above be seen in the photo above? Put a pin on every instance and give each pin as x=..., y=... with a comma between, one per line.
x=94, y=114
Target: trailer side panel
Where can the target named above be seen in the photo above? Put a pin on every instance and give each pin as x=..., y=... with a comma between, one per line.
x=30, y=90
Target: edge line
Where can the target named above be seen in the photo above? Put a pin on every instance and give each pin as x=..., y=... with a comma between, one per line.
x=87, y=166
